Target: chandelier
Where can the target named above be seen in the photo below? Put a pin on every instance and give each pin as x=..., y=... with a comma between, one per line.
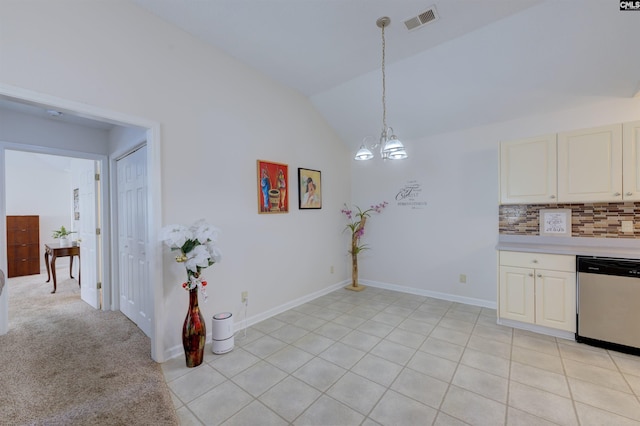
x=390, y=147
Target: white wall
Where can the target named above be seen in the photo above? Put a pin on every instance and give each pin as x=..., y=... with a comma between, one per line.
x=425, y=250
x=37, y=185
x=217, y=118
x=123, y=139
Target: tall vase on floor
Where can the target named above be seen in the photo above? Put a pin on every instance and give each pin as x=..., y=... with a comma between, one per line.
x=354, y=271
x=357, y=222
x=194, y=332
x=198, y=250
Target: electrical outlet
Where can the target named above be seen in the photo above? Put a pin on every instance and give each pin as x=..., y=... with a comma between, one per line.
x=244, y=296
x=463, y=278
x=627, y=226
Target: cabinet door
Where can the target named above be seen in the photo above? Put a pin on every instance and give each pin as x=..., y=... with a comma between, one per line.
x=517, y=298
x=631, y=161
x=590, y=165
x=556, y=299
x=528, y=170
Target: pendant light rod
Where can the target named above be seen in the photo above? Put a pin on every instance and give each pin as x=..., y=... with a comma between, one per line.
x=382, y=23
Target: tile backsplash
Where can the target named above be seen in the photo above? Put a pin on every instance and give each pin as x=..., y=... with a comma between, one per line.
x=598, y=220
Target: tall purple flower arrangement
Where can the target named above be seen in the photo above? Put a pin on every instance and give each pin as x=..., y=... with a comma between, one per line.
x=356, y=225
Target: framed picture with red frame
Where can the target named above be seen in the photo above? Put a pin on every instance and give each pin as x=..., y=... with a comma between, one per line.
x=273, y=182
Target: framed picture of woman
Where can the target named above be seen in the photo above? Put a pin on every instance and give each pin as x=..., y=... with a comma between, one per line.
x=273, y=180
x=309, y=189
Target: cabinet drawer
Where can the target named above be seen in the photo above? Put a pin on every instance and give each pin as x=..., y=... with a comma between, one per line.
x=555, y=262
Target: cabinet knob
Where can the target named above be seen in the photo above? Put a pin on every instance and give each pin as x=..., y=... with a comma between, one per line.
x=616, y=194
x=539, y=275
x=552, y=197
x=629, y=194
x=530, y=275
x=534, y=261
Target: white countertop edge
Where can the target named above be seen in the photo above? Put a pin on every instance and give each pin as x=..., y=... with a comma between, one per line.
x=607, y=247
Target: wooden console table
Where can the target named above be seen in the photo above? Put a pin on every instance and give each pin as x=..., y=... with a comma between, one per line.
x=54, y=250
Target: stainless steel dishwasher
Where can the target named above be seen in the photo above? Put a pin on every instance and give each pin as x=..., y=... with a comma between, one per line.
x=609, y=303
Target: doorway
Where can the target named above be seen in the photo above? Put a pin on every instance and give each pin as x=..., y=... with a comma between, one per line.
x=45, y=186
x=109, y=250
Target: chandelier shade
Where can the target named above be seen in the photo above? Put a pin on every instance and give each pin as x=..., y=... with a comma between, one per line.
x=364, y=153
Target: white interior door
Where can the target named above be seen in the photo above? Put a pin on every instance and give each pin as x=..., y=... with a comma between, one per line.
x=133, y=266
x=88, y=236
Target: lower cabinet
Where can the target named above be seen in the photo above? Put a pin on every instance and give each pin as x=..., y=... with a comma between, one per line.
x=538, y=288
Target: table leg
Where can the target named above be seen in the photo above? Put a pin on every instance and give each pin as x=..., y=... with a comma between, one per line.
x=46, y=261
x=79, y=263
x=53, y=271
x=71, y=266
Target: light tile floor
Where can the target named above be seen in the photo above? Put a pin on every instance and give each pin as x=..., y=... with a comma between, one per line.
x=380, y=357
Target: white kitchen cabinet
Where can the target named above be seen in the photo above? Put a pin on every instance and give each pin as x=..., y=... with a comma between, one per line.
x=517, y=294
x=631, y=161
x=528, y=170
x=590, y=165
x=538, y=288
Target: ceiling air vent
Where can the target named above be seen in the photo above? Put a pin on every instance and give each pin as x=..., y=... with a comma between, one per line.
x=422, y=19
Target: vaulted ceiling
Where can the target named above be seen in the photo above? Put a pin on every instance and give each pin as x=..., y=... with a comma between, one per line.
x=480, y=61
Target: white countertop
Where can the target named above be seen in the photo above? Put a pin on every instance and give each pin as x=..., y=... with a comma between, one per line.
x=584, y=246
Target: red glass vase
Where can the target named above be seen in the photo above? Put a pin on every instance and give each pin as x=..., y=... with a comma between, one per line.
x=194, y=332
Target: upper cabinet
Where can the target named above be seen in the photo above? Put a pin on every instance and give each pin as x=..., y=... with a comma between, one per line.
x=528, y=171
x=631, y=161
x=601, y=164
x=590, y=165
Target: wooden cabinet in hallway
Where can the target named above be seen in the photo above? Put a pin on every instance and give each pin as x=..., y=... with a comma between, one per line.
x=23, y=245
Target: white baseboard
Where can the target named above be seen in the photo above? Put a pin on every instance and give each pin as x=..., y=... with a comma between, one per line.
x=436, y=295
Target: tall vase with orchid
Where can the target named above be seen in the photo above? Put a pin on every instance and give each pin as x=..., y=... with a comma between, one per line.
x=198, y=250
x=357, y=222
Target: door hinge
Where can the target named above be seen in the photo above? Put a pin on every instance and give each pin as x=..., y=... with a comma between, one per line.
x=97, y=231
x=98, y=285
x=97, y=176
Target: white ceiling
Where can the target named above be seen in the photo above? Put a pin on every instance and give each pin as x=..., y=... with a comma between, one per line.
x=482, y=61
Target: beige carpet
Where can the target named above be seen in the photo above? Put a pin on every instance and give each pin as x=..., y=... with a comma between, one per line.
x=64, y=363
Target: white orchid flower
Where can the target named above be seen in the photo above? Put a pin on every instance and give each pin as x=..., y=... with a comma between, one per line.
x=198, y=257
x=199, y=241
x=175, y=235
x=204, y=232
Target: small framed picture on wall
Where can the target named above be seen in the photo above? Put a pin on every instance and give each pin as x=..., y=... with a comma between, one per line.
x=76, y=204
x=555, y=222
x=273, y=181
x=309, y=189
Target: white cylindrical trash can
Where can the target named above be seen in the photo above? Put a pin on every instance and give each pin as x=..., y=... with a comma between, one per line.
x=222, y=333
